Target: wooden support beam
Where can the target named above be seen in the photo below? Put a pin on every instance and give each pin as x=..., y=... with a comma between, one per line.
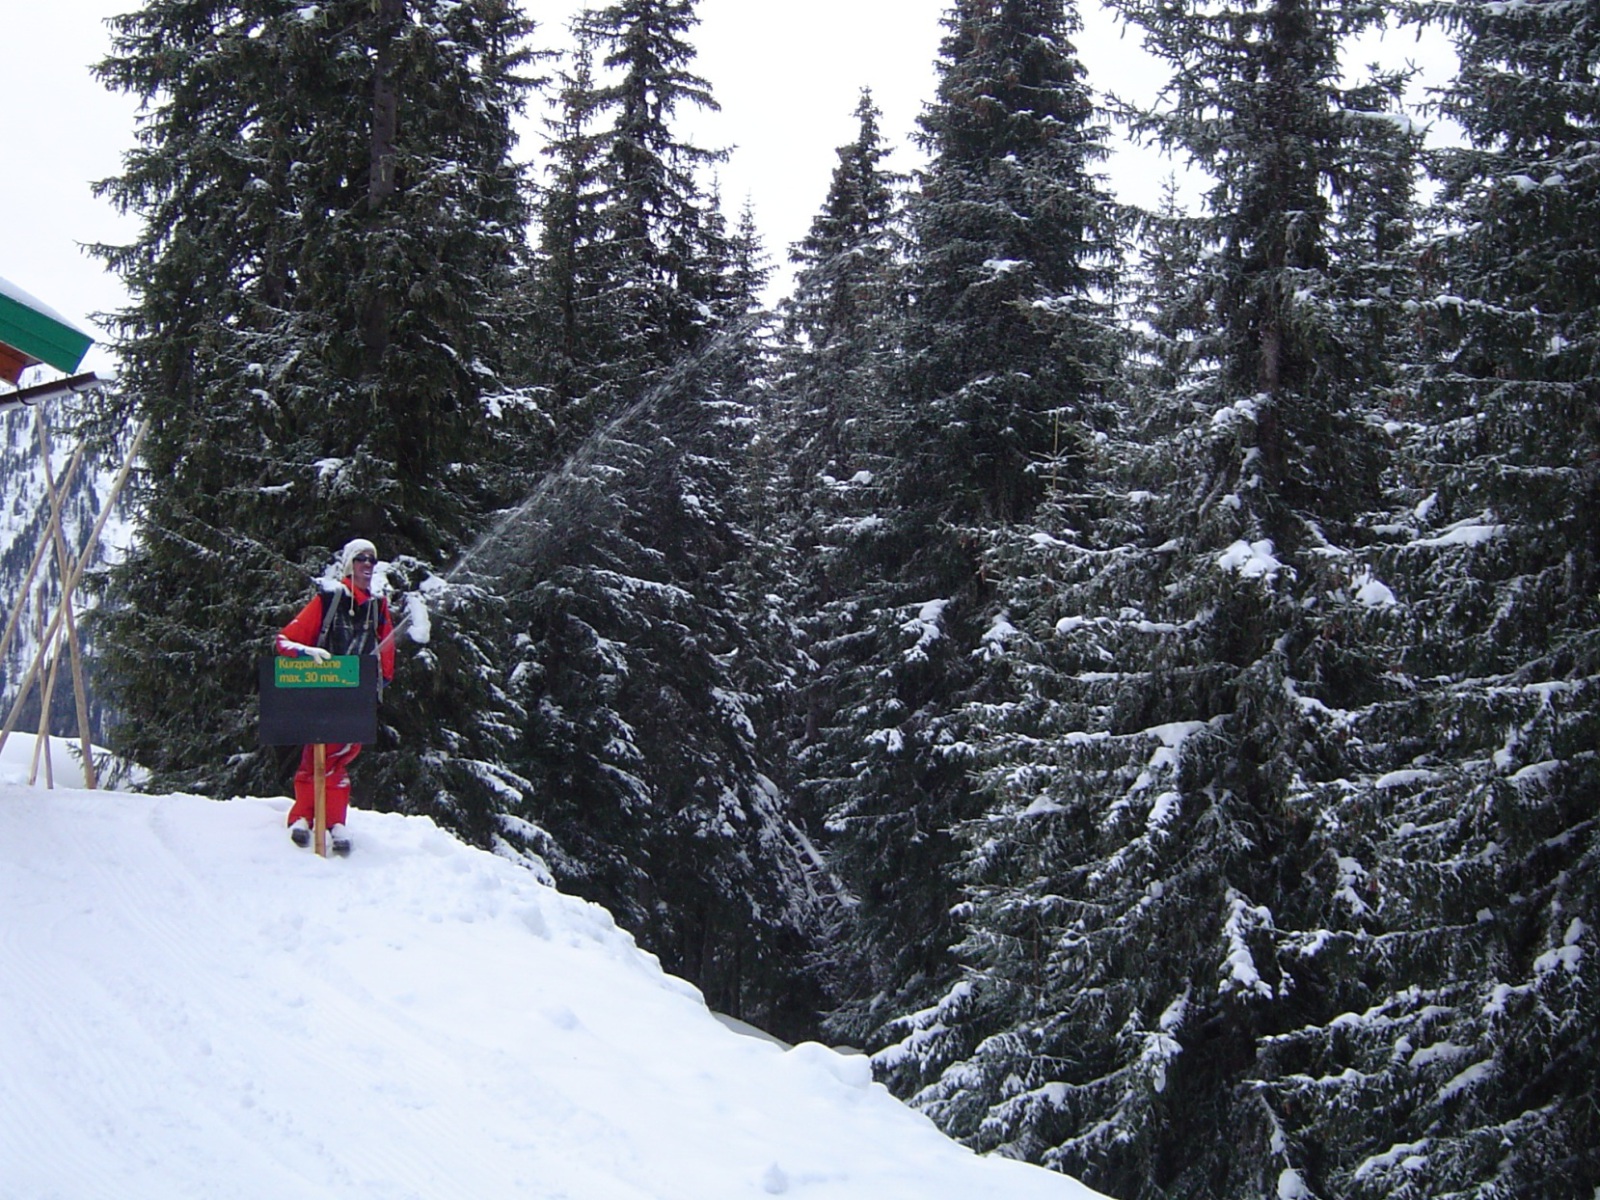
x=33, y=567
x=70, y=585
x=80, y=687
x=41, y=742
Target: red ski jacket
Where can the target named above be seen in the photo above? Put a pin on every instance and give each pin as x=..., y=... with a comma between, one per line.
x=306, y=628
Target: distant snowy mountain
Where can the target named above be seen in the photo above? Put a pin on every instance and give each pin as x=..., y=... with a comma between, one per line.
x=24, y=516
x=191, y=1007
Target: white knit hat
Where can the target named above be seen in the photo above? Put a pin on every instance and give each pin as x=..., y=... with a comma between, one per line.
x=352, y=548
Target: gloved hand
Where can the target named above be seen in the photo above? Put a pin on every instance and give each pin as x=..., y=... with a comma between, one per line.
x=316, y=652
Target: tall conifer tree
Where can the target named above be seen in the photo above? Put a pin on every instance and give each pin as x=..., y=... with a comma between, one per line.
x=1176, y=633
x=1460, y=841
x=827, y=441
x=566, y=280
x=843, y=264
x=331, y=222
x=1011, y=238
x=1002, y=337
x=639, y=662
x=654, y=207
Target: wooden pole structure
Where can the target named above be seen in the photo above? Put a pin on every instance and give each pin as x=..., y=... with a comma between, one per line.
x=80, y=688
x=319, y=759
x=41, y=743
x=70, y=586
x=49, y=766
x=33, y=567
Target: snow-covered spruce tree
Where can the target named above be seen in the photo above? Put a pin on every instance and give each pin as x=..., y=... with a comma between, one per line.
x=827, y=426
x=637, y=651
x=841, y=324
x=1180, y=617
x=821, y=440
x=1010, y=240
x=655, y=211
x=565, y=283
x=1003, y=345
x=1522, y=343
x=844, y=279
x=331, y=222
x=1468, y=839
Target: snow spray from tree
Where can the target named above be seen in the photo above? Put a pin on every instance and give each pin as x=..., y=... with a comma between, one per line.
x=526, y=536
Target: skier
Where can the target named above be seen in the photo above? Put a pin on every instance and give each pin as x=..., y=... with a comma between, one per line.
x=343, y=618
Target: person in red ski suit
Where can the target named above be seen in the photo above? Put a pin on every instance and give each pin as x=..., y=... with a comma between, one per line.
x=342, y=618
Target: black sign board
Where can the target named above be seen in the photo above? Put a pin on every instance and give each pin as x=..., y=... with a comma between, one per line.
x=304, y=701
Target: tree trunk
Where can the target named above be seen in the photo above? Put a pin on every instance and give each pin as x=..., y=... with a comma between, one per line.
x=381, y=176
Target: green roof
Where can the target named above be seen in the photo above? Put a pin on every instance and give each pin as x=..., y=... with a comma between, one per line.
x=34, y=333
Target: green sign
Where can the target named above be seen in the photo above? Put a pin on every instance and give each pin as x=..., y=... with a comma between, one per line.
x=304, y=701
x=310, y=673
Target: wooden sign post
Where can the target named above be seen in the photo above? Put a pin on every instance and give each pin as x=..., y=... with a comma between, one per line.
x=319, y=758
x=318, y=702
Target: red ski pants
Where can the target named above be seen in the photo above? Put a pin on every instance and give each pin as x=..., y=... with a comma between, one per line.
x=337, y=762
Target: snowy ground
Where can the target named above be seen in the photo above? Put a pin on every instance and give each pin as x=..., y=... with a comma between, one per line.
x=191, y=1007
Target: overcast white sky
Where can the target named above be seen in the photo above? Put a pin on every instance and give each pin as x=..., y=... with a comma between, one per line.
x=786, y=73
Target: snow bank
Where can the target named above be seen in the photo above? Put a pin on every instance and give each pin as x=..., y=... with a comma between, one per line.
x=190, y=1007
x=65, y=762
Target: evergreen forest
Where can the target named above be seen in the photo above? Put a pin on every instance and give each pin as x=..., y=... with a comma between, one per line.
x=1136, y=674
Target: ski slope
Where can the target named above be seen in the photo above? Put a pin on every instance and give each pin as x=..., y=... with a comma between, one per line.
x=191, y=1007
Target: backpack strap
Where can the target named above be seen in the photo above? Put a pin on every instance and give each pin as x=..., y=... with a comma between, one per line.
x=329, y=611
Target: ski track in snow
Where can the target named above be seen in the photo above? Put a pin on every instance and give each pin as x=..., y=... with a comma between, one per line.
x=191, y=1007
